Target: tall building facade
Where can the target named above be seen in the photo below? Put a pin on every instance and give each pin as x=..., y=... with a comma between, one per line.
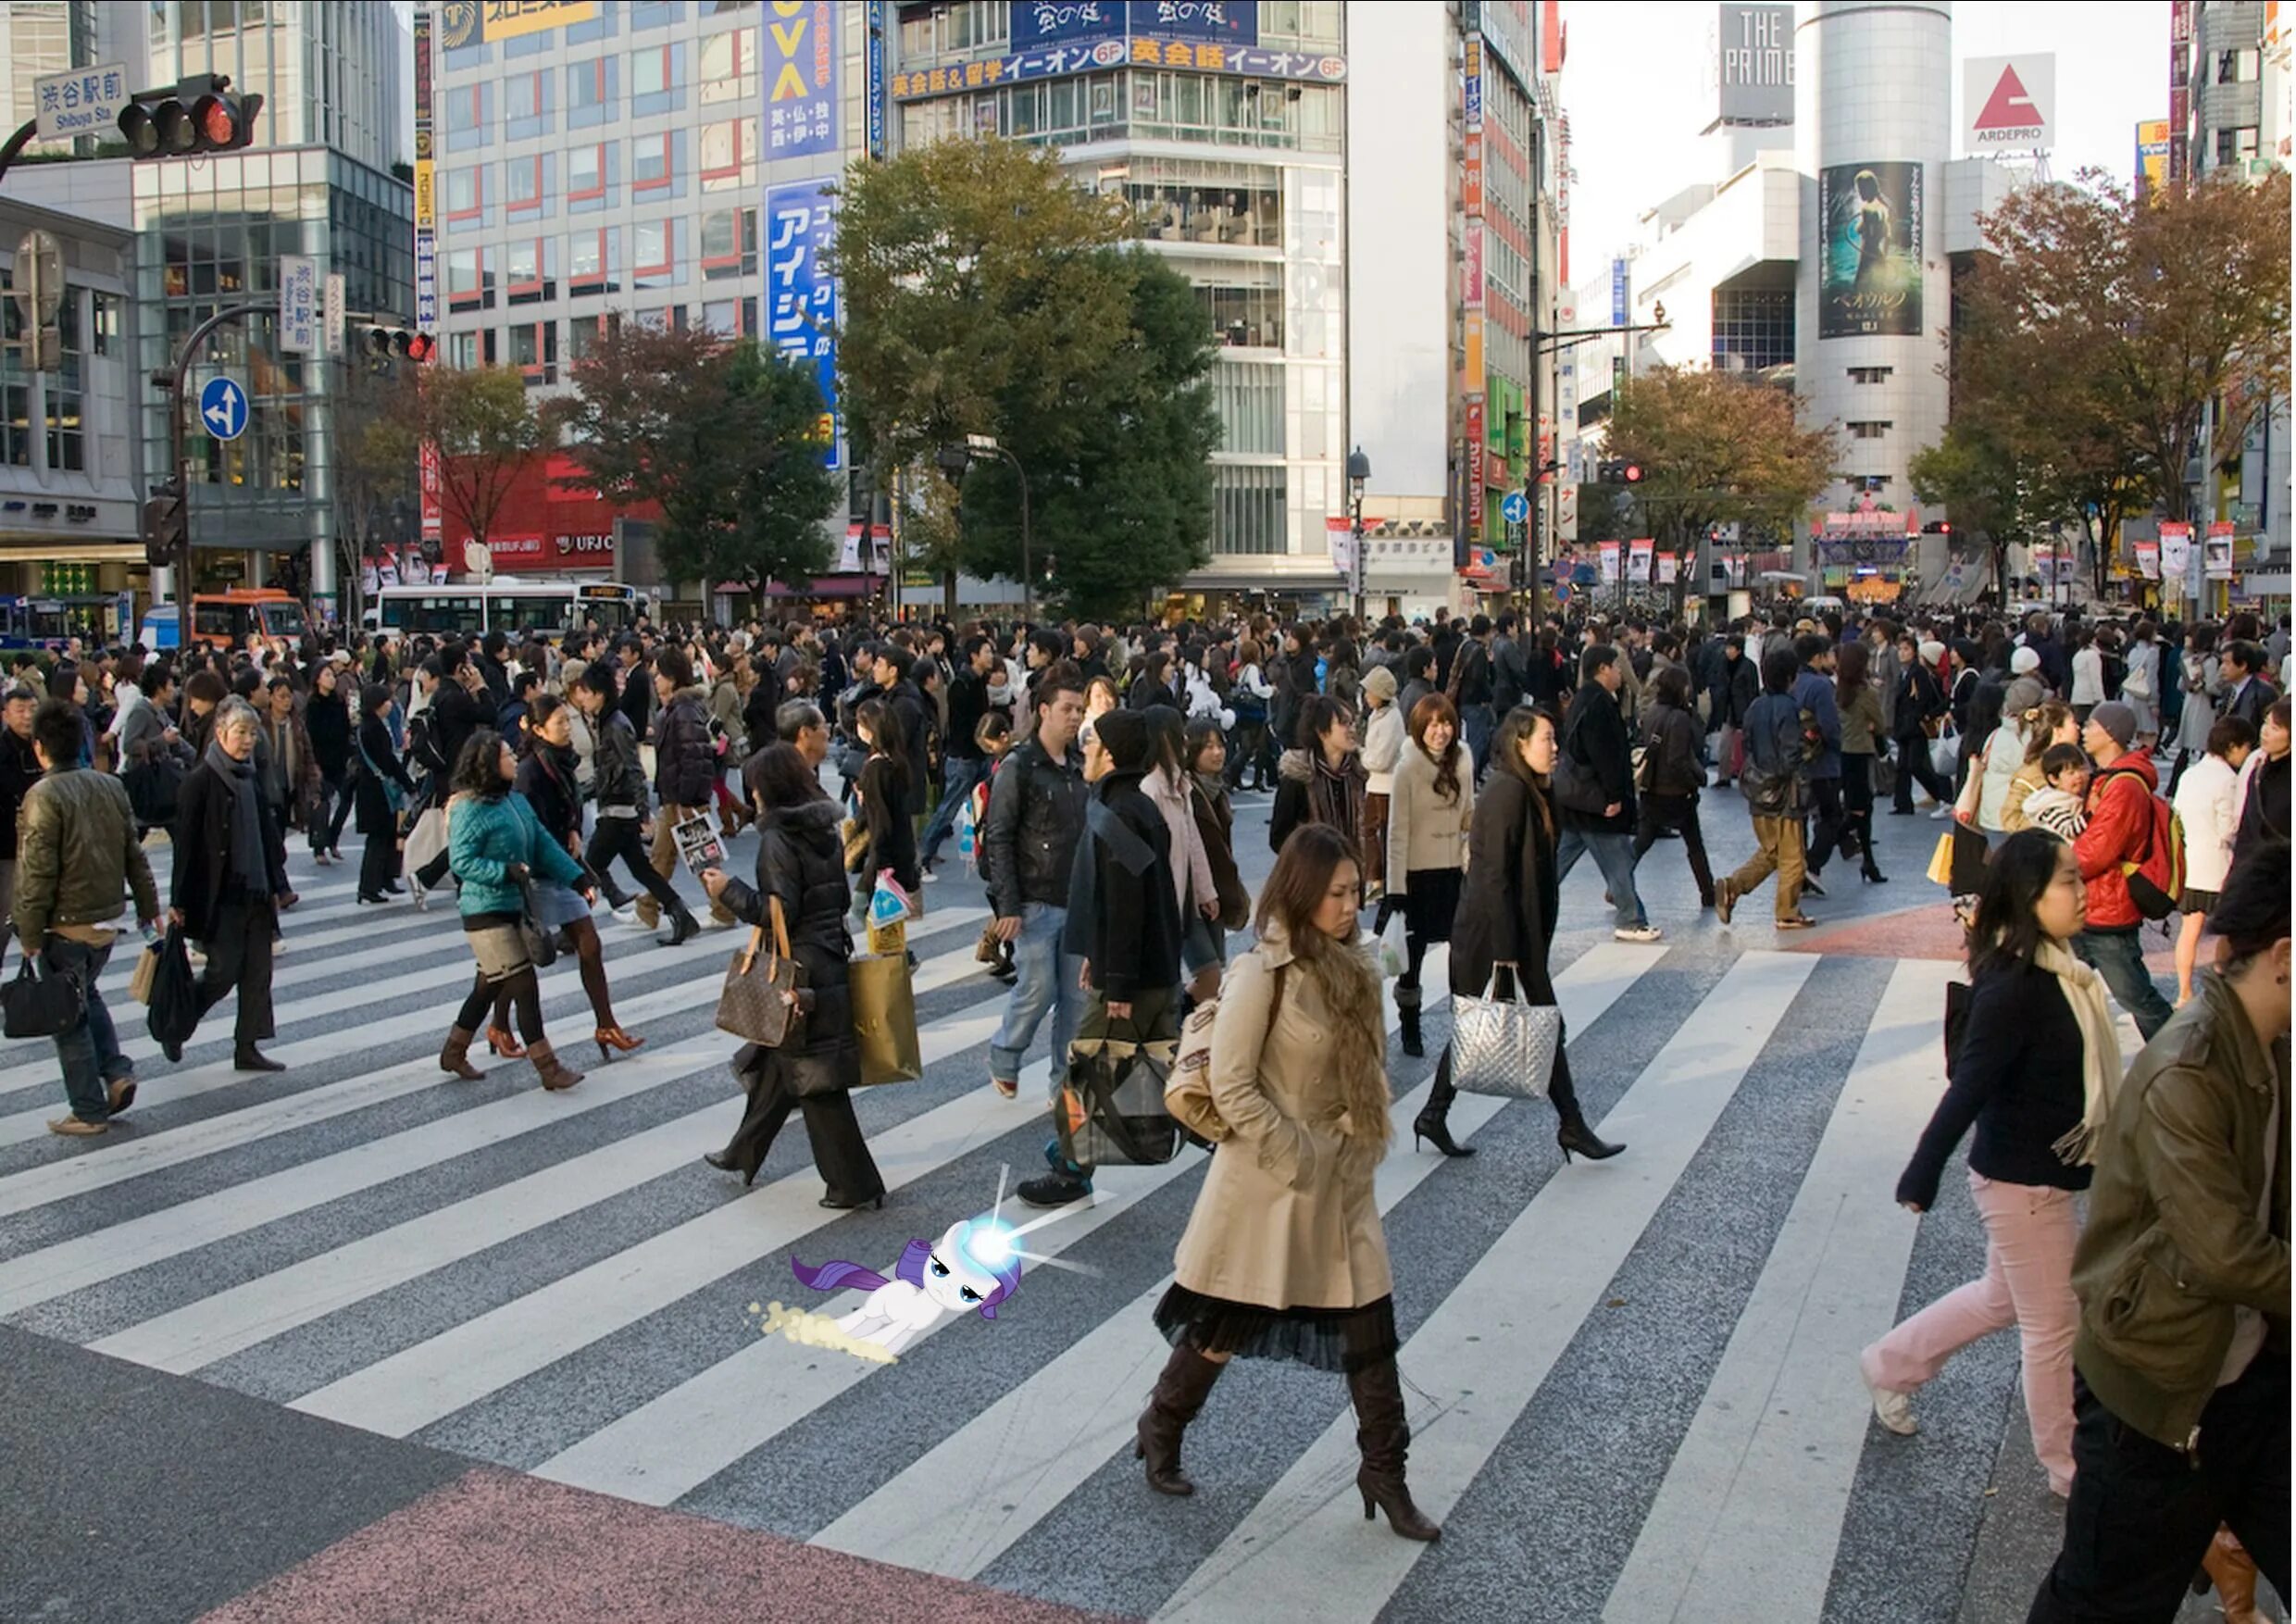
x=329, y=74
x=1225, y=125
x=41, y=37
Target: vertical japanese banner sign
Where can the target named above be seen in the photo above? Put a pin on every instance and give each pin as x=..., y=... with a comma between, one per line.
x=1475, y=432
x=2175, y=551
x=1639, y=559
x=801, y=295
x=874, y=67
x=2148, y=560
x=800, y=52
x=2217, y=552
x=1610, y=561
x=426, y=182
x=433, y=508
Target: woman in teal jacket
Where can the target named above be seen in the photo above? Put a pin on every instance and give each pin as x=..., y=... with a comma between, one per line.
x=494, y=844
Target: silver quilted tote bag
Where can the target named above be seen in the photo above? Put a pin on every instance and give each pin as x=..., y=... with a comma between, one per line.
x=1500, y=1046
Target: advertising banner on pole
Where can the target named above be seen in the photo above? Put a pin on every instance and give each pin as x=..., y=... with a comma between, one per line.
x=1476, y=422
x=2175, y=550
x=1665, y=568
x=1639, y=553
x=801, y=295
x=2148, y=560
x=1610, y=562
x=1870, y=276
x=800, y=53
x=2217, y=552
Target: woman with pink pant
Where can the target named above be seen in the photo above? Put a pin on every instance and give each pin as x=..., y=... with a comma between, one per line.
x=2033, y=1071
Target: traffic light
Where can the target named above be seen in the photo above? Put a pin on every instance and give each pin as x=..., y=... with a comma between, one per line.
x=1937, y=527
x=163, y=530
x=1618, y=473
x=194, y=114
x=386, y=343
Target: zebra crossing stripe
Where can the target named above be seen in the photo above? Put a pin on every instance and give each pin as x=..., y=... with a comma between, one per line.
x=115, y=1161
x=1041, y=1441
x=1523, y=1289
x=1749, y=1516
x=677, y=1441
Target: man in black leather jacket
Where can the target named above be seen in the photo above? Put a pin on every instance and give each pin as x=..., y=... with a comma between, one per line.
x=1036, y=815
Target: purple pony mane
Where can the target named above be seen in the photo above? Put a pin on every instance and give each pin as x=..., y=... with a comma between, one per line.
x=828, y=1277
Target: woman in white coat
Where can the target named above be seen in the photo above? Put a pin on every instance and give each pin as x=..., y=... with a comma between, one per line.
x=2208, y=805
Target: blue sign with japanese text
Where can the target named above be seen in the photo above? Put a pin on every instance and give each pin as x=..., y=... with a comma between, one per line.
x=801, y=295
x=1045, y=22
x=873, y=56
x=1617, y=293
x=1089, y=55
x=800, y=61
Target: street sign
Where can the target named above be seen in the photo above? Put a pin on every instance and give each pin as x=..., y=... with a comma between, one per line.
x=1515, y=508
x=87, y=101
x=223, y=408
x=298, y=304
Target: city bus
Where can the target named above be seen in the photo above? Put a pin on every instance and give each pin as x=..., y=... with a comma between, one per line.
x=224, y=619
x=549, y=607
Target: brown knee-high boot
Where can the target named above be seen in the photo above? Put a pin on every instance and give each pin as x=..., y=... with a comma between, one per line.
x=1180, y=1394
x=1385, y=1438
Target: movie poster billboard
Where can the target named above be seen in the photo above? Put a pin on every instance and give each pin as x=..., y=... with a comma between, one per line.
x=1870, y=277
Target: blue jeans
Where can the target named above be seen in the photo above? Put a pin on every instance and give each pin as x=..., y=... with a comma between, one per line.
x=2118, y=956
x=1477, y=724
x=961, y=777
x=89, y=1051
x=1047, y=979
x=1614, y=854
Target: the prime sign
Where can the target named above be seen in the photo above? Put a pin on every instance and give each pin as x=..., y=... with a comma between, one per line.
x=1754, y=48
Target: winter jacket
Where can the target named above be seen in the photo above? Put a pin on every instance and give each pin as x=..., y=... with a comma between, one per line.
x=1384, y=738
x=1425, y=830
x=1814, y=693
x=1670, y=764
x=685, y=760
x=920, y=726
x=2120, y=829
x=619, y=775
x=2183, y=1229
x=486, y=836
x=77, y=855
x=1861, y=722
x=1295, y=804
x=726, y=710
x=1595, y=737
x=1216, y=826
x=546, y=780
x=893, y=834
x=1036, y=815
x=2207, y=802
x=1734, y=694
x=20, y=769
x=1918, y=700
x=1507, y=915
x=2264, y=803
x=202, y=882
x=328, y=723
x=1123, y=917
x=801, y=860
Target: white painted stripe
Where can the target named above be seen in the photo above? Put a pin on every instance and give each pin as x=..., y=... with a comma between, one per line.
x=1526, y=1294
x=212, y=1328
x=670, y=1445
x=1746, y=1524
x=112, y=1162
x=1041, y=1441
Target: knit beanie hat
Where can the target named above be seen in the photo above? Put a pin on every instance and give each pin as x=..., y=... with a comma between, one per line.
x=1124, y=735
x=1379, y=682
x=2024, y=660
x=2118, y=721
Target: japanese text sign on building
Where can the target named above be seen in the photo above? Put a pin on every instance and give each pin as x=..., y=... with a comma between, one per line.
x=1045, y=22
x=472, y=22
x=87, y=101
x=801, y=295
x=298, y=304
x=800, y=78
x=1088, y=55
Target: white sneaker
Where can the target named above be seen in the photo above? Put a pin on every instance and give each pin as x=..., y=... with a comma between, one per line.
x=628, y=916
x=1892, y=1408
x=1940, y=815
x=1636, y=933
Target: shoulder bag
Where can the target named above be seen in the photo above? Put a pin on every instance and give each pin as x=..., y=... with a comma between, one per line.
x=1501, y=1045
x=760, y=995
x=41, y=1002
x=1188, y=1092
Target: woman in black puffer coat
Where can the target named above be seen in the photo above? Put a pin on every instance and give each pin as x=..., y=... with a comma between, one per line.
x=1672, y=774
x=801, y=861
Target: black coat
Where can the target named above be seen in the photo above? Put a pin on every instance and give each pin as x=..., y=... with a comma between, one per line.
x=328, y=723
x=1595, y=737
x=546, y=780
x=892, y=837
x=1738, y=684
x=456, y=715
x=801, y=860
x=1123, y=916
x=20, y=769
x=1670, y=739
x=919, y=727
x=1507, y=914
x=378, y=765
x=202, y=882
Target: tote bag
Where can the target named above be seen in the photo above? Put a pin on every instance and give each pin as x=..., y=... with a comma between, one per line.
x=754, y=1003
x=1501, y=1045
x=884, y=1020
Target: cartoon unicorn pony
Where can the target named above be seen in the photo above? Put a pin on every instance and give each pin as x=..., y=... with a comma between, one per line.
x=974, y=1266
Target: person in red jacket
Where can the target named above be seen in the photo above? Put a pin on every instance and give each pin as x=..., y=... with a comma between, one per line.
x=2119, y=831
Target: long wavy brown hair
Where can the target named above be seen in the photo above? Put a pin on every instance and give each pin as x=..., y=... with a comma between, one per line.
x=1431, y=709
x=1343, y=976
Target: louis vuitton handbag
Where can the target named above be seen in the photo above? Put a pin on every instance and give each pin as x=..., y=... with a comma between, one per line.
x=759, y=997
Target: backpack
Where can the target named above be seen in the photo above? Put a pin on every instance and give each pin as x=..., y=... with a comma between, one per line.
x=1188, y=1092
x=2156, y=880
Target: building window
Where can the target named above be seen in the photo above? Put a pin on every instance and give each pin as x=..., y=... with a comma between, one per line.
x=655, y=252
x=585, y=333
x=465, y=192
x=2235, y=145
x=1249, y=395
x=106, y=308
x=595, y=261
x=530, y=270
x=526, y=104
x=524, y=184
x=1753, y=328
x=728, y=243
x=585, y=172
x=2237, y=67
x=469, y=287
x=1248, y=512
x=964, y=25
x=656, y=79
x=1250, y=317
x=534, y=351
x=729, y=155
x=466, y=118
x=1180, y=202
x=462, y=350
x=1869, y=430
x=646, y=14
x=649, y=164
x=591, y=90
x=722, y=317
x=729, y=66
x=1870, y=374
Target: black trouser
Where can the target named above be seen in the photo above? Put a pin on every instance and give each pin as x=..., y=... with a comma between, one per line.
x=1247, y=747
x=2142, y=1514
x=1824, y=833
x=1914, y=765
x=378, y=865
x=1857, y=806
x=1679, y=813
x=239, y=956
x=840, y=1153
x=618, y=837
x=330, y=809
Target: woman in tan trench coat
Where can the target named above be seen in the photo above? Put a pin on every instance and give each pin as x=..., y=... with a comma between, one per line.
x=1284, y=1257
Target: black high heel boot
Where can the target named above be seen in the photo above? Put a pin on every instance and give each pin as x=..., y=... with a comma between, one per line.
x=1179, y=1393
x=1434, y=1122
x=1384, y=1437
x=1407, y=1017
x=1575, y=1138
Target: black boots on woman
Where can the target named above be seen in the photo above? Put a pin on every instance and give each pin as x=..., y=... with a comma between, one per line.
x=1180, y=1394
x=1434, y=1122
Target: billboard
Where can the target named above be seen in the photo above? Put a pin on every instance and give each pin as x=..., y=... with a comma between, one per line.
x=801, y=295
x=1869, y=277
x=1140, y=50
x=2009, y=103
x=472, y=22
x=1754, y=63
x=800, y=57
x=2151, y=156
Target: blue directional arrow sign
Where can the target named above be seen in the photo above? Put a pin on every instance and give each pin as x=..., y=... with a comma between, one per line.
x=1515, y=508
x=223, y=408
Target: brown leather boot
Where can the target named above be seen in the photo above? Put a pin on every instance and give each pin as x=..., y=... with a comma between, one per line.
x=2233, y=1571
x=455, y=1059
x=1180, y=1394
x=556, y=1074
x=1384, y=1437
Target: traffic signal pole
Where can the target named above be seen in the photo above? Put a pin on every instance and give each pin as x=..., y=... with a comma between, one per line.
x=179, y=544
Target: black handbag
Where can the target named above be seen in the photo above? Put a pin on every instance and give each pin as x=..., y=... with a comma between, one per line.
x=41, y=1002
x=542, y=942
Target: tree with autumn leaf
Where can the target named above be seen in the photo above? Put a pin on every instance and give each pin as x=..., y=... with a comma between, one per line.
x=479, y=424
x=1715, y=449
x=723, y=435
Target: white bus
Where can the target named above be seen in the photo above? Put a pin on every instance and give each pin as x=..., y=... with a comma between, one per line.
x=551, y=608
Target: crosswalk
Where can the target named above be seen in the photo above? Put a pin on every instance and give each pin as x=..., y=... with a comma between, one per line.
x=554, y=1283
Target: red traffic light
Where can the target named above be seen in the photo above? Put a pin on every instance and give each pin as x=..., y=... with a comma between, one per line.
x=400, y=344
x=196, y=115
x=1634, y=473
x=421, y=347
x=217, y=120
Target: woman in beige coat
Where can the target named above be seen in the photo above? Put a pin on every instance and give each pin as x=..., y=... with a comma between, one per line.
x=1284, y=1257
x=1428, y=818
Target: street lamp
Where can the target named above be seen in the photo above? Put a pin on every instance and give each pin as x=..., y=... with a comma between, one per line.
x=1358, y=476
x=955, y=459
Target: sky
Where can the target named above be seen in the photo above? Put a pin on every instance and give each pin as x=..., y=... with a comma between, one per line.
x=1627, y=59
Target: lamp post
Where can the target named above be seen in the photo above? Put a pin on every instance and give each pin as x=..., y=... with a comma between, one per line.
x=1358, y=476
x=955, y=459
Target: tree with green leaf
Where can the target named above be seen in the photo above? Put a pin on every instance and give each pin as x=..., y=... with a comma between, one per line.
x=480, y=425
x=986, y=292
x=725, y=437
x=1715, y=449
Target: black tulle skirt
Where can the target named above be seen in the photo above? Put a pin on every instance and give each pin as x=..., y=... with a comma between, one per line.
x=1340, y=1340
x=1432, y=903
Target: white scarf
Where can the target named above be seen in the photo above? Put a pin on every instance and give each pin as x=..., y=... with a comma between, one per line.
x=2101, y=1051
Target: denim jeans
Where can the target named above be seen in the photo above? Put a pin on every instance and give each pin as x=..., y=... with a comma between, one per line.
x=2118, y=956
x=1614, y=854
x=1047, y=980
x=1477, y=723
x=89, y=1051
x=961, y=777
